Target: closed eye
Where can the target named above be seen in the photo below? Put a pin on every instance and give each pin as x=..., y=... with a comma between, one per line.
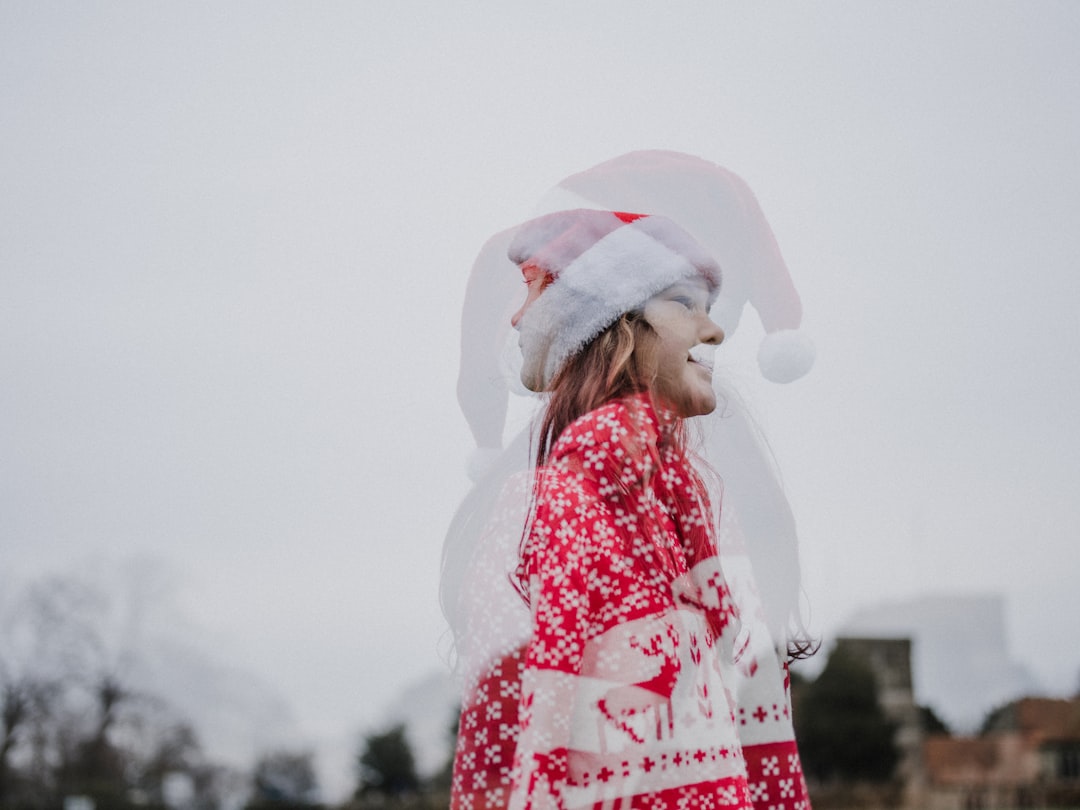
x=690, y=303
x=690, y=295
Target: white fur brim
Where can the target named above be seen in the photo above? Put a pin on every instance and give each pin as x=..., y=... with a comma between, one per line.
x=618, y=274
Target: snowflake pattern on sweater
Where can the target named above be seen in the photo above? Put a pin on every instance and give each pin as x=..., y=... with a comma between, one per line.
x=627, y=693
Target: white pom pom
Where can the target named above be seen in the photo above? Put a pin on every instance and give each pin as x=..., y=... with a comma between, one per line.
x=480, y=462
x=785, y=355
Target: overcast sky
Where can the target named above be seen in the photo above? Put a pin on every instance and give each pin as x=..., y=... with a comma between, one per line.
x=234, y=239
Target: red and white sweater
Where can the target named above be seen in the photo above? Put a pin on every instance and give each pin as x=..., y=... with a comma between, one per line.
x=647, y=681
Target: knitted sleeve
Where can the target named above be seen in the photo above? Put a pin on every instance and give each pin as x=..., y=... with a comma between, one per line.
x=564, y=562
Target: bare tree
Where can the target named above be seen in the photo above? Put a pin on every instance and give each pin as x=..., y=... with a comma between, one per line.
x=72, y=717
x=29, y=688
x=386, y=765
x=285, y=777
x=20, y=701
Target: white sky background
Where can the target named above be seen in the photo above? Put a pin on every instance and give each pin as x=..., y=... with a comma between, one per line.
x=234, y=240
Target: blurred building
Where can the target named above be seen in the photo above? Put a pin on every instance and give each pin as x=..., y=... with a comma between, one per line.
x=961, y=663
x=1028, y=755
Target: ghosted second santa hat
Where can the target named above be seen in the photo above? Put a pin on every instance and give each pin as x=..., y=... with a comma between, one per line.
x=718, y=208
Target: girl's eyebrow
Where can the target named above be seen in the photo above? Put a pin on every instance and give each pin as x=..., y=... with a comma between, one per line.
x=691, y=290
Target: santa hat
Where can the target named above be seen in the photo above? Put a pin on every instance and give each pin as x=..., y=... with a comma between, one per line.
x=718, y=208
x=601, y=264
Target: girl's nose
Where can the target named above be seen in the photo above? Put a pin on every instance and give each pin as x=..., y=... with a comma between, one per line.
x=711, y=333
x=536, y=286
x=515, y=319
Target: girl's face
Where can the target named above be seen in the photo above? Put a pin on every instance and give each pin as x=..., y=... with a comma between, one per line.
x=680, y=317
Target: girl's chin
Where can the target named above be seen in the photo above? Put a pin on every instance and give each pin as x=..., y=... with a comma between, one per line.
x=702, y=409
x=697, y=404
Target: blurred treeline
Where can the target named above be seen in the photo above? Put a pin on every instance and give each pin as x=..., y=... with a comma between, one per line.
x=77, y=732
x=73, y=724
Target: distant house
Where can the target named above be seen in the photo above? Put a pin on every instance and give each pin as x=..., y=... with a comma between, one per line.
x=1028, y=755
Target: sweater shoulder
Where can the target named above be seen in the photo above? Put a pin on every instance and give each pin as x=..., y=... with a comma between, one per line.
x=619, y=437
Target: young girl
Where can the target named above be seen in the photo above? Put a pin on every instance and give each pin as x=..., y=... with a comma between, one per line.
x=623, y=687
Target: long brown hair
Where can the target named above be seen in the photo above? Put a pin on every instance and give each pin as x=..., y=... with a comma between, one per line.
x=618, y=362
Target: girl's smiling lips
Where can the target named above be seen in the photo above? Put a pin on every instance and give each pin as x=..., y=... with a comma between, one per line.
x=702, y=355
